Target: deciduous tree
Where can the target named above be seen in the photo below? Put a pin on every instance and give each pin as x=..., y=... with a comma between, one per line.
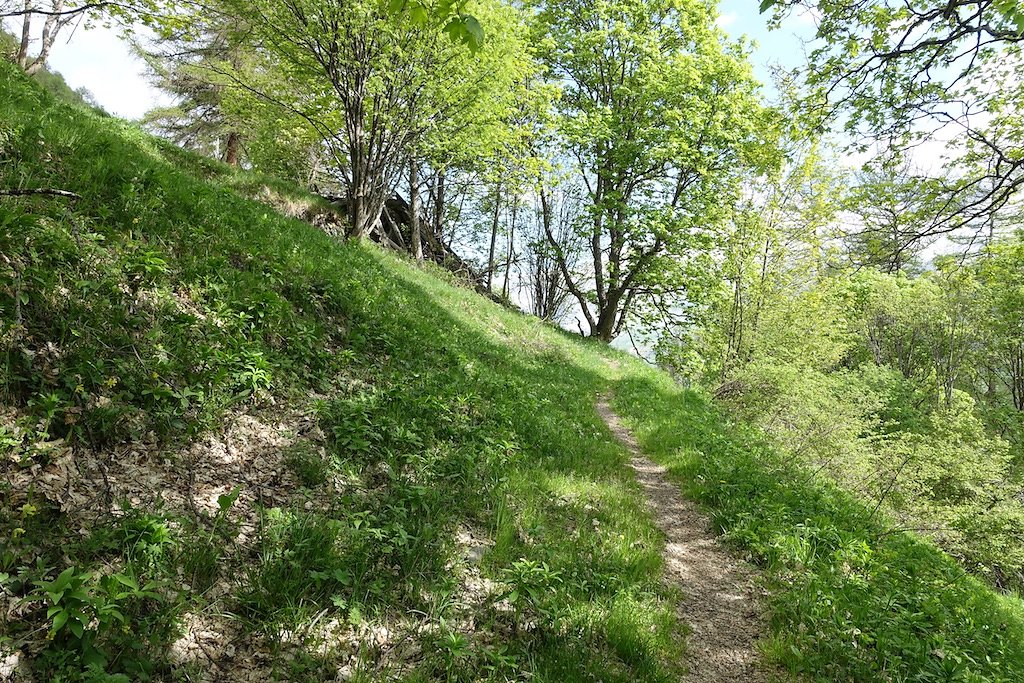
x=659, y=116
x=909, y=72
x=373, y=82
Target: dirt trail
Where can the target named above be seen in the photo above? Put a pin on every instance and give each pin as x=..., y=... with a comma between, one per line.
x=721, y=601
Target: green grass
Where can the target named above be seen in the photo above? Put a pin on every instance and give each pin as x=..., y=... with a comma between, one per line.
x=166, y=302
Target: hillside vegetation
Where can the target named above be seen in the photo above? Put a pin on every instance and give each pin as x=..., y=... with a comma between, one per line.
x=393, y=414
x=236, y=448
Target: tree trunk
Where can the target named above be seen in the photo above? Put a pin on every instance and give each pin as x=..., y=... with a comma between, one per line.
x=604, y=329
x=509, y=255
x=564, y=265
x=367, y=172
x=314, y=167
x=494, y=238
x=358, y=225
x=414, y=212
x=26, y=33
x=51, y=27
x=392, y=229
x=1017, y=375
x=364, y=210
x=544, y=280
x=439, y=204
x=951, y=370
x=735, y=331
x=231, y=148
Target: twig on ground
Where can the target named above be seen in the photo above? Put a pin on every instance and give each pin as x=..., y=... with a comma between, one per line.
x=39, y=191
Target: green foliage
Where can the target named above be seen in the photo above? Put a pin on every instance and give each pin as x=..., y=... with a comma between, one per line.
x=816, y=416
x=311, y=468
x=298, y=567
x=658, y=146
x=50, y=81
x=764, y=306
x=898, y=385
x=102, y=623
x=336, y=69
x=1002, y=333
x=460, y=26
x=86, y=604
x=872, y=379
x=529, y=583
x=903, y=73
x=109, y=329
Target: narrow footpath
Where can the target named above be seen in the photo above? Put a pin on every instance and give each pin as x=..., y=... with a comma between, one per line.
x=721, y=602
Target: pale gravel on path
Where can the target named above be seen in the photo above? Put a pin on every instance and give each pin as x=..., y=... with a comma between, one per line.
x=721, y=602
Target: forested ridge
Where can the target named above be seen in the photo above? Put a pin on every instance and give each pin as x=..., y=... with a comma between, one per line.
x=313, y=374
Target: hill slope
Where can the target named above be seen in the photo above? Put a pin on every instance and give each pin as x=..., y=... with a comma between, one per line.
x=424, y=483
x=237, y=449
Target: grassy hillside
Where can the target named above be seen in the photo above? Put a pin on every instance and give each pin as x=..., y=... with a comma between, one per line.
x=425, y=489
x=233, y=445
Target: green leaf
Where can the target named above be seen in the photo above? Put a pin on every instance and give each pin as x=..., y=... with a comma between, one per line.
x=475, y=32
x=59, y=620
x=61, y=582
x=93, y=658
x=419, y=15
x=456, y=30
x=226, y=500
x=77, y=628
x=127, y=580
x=766, y=5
